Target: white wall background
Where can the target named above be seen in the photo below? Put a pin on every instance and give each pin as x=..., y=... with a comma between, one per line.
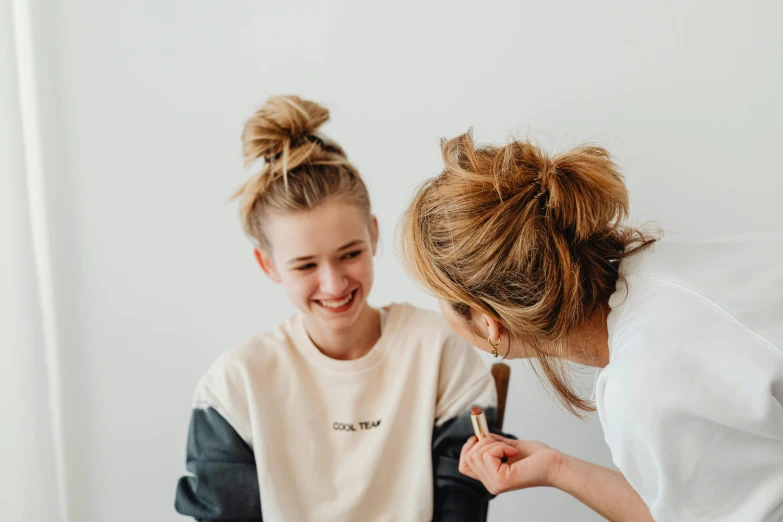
x=144, y=103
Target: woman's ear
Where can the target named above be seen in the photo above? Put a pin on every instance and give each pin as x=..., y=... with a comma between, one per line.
x=374, y=233
x=493, y=328
x=266, y=264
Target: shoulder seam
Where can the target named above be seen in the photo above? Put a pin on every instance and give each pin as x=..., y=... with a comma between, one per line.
x=470, y=388
x=230, y=419
x=720, y=310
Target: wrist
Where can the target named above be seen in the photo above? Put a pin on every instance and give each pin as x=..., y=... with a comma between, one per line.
x=558, y=470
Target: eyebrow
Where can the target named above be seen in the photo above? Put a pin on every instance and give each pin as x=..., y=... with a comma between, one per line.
x=346, y=246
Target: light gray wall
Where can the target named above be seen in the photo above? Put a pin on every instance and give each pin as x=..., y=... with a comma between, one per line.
x=154, y=278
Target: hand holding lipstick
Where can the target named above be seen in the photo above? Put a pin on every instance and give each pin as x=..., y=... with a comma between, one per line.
x=532, y=464
x=503, y=464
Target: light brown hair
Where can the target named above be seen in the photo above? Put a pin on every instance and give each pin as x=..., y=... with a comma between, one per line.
x=530, y=239
x=301, y=169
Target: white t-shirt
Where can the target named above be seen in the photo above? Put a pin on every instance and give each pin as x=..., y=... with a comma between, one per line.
x=691, y=400
x=317, y=439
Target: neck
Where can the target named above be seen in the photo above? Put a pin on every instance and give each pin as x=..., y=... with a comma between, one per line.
x=349, y=343
x=589, y=345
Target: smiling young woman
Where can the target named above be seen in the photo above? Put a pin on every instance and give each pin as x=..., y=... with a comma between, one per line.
x=344, y=412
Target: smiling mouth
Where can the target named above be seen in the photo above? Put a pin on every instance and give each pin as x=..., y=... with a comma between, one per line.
x=338, y=305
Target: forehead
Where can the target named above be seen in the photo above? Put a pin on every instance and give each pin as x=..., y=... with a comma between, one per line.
x=319, y=231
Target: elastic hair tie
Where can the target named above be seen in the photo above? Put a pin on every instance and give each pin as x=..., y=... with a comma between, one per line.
x=312, y=138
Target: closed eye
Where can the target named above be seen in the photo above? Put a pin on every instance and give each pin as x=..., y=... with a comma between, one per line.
x=306, y=267
x=351, y=255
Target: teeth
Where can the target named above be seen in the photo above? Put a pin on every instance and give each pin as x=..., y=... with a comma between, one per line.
x=337, y=304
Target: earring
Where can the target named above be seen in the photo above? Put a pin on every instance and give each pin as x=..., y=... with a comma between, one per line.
x=494, y=346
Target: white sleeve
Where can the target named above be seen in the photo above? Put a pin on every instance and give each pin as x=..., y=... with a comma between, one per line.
x=463, y=380
x=697, y=430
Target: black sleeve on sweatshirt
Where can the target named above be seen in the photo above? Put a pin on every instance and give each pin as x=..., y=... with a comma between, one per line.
x=458, y=498
x=223, y=485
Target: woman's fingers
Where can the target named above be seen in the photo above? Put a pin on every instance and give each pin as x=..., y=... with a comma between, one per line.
x=525, y=447
x=483, y=460
x=491, y=454
x=486, y=462
x=504, y=465
x=498, y=451
x=471, y=442
x=501, y=438
x=464, y=466
x=473, y=447
x=486, y=442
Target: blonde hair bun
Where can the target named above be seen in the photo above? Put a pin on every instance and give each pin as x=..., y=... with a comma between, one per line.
x=282, y=123
x=301, y=170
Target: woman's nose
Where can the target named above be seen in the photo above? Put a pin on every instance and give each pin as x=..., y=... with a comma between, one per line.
x=333, y=281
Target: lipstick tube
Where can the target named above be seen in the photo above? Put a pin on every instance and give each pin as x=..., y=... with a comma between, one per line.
x=479, y=421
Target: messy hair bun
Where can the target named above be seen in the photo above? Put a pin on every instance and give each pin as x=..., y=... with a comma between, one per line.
x=584, y=191
x=301, y=168
x=528, y=238
x=283, y=123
